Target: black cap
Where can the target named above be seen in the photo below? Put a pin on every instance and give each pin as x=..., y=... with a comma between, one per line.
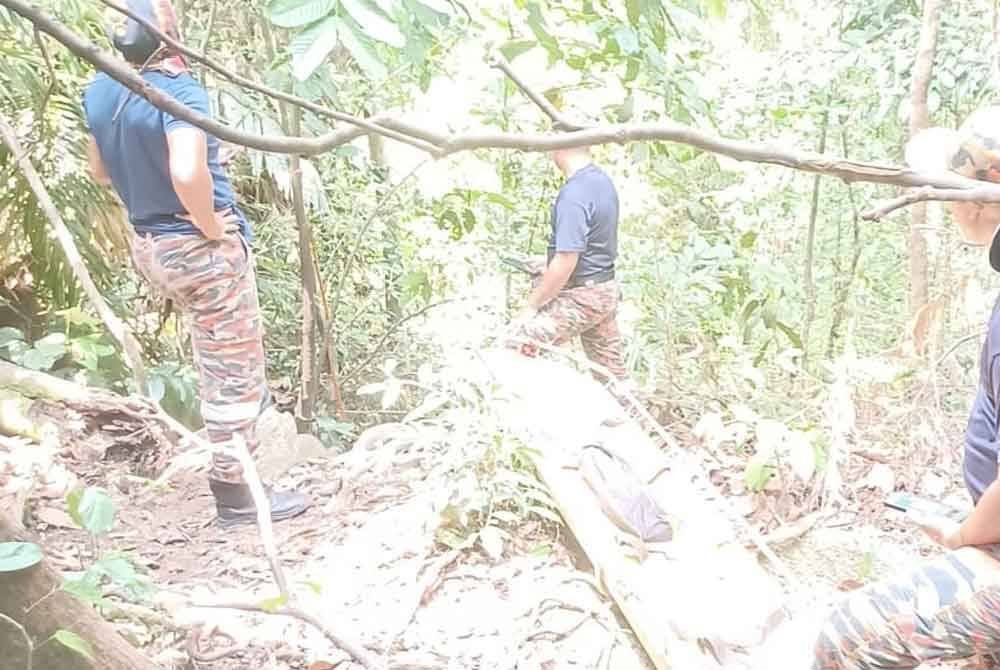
x=136, y=43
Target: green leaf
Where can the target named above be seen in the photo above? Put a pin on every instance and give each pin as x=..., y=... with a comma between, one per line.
x=439, y=6
x=8, y=335
x=119, y=569
x=295, y=13
x=515, y=48
x=311, y=47
x=71, y=640
x=362, y=50
x=716, y=8
x=272, y=605
x=537, y=24
x=315, y=587
x=792, y=336
x=87, y=588
x=757, y=475
x=92, y=509
x=45, y=353
x=633, y=10
x=157, y=389
x=627, y=40
x=491, y=538
x=374, y=24
x=16, y=556
x=393, y=389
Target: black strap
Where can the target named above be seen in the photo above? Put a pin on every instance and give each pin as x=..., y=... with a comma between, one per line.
x=591, y=280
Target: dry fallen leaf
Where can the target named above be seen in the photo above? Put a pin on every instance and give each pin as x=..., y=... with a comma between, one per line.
x=321, y=665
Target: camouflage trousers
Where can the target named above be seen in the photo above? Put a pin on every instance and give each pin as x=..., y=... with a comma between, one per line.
x=587, y=311
x=946, y=609
x=213, y=284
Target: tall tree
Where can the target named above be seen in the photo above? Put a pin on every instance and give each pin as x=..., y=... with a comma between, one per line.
x=919, y=120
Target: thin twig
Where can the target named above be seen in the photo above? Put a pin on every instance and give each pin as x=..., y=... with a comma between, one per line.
x=385, y=336
x=53, y=81
x=335, y=303
x=559, y=121
x=29, y=647
x=197, y=635
x=927, y=193
x=956, y=345
x=211, y=26
x=357, y=652
x=433, y=576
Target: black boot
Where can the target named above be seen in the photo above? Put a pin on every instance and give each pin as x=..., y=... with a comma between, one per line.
x=235, y=503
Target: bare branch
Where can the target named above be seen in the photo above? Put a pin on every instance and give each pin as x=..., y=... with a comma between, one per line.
x=122, y=72
x=385, y=336
x=29, y=647
x=207, y=37
x=560, y=121
x=53, y=81
x=442, y=144
x=984, y=193
x=357, y=652
x=260, y=88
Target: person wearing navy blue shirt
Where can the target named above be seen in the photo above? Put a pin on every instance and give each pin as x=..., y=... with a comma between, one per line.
x=947, y=608
x=191, y=243
x=576, y=293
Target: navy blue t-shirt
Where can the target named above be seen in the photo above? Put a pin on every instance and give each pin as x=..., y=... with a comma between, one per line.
x=981, y=441
x=131, y=136
x=585, y=220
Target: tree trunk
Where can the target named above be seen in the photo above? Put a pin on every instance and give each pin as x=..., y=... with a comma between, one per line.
x=90, y=423
x=919, y=120
x=810, y=282
x=309, y=384
x=844, y=281
x=33, y=599
x=390, y=240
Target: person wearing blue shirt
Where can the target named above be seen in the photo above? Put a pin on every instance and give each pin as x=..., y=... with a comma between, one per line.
x=576, y=293
x=191, y=244
x=947, y=608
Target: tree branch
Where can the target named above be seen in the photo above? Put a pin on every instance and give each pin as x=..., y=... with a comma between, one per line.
x=385, y=336
x=126, y=75
x=983, y=193
x=559, y=121
x=29, y=646
x=206, y=38
x=444, y=144
x=359, y=654
x=260, y=88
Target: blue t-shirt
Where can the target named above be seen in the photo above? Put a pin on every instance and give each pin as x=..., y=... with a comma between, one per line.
x=981, y=445
x=585, y=220
x=131, y=136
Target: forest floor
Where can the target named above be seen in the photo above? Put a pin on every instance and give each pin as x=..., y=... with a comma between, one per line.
x=365, y=559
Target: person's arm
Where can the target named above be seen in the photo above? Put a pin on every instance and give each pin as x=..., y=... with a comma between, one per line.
x=553, y=279
x=192, y=180
x=571, y=228
x=982, y=526
x=97, y=170
x=188, y=161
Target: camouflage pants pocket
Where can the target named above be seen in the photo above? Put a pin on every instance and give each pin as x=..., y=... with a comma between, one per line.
x=944, y=610
x=214, y=285
x=589, y=312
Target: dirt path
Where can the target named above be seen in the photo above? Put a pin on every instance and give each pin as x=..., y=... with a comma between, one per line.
x=364, y=559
